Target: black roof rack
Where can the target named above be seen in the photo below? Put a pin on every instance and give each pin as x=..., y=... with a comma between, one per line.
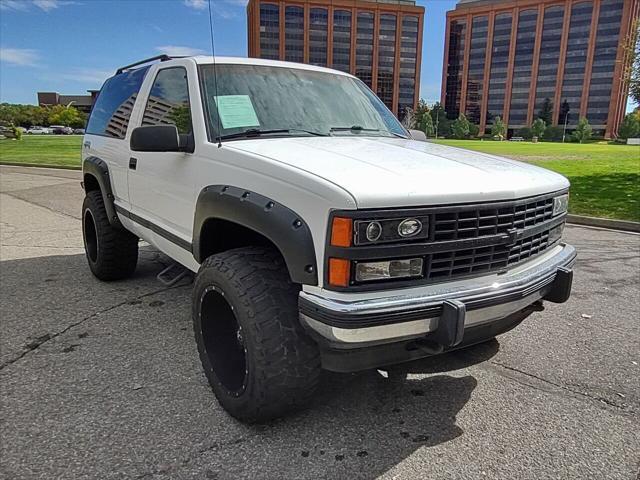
x=162, y=58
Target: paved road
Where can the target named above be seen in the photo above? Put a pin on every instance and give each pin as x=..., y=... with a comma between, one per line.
x=103, y=381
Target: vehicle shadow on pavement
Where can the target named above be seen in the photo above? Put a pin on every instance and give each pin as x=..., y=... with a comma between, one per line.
x=146, y=388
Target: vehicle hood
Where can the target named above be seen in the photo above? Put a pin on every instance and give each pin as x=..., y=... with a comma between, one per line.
x=395, y=172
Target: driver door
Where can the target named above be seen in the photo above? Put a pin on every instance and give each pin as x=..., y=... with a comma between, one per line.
x=161, y=184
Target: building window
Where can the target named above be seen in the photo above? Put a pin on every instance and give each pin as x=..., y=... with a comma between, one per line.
x=523, y=61
x=549, y=56
x=364, y=47
x=455, y=59
x=294, y=34
x=386, y=58
x=341, y=40
x=318, y=36
x=408, y=58
x=499, y=65
x=574, y=65
x=269, y=31
x=604, y=55
x=475, y=68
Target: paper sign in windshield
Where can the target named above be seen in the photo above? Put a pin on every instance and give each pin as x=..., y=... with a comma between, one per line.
x=236, y=111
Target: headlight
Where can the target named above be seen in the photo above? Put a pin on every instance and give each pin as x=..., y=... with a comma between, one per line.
x=391, y=230
x=560, y=204
x=371, y=271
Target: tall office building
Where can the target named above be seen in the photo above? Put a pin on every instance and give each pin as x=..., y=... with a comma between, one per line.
x=508, y=57
x=379, y=41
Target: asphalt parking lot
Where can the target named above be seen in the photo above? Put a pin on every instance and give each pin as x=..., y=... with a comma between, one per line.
x=103, y=380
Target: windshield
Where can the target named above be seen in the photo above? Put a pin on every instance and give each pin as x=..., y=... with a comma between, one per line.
x=265, y=100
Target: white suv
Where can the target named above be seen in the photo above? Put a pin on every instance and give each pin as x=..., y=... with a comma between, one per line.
x=323, y=234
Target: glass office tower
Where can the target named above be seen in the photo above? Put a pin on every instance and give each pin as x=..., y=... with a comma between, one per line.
x=510, y=58
x=379, y=41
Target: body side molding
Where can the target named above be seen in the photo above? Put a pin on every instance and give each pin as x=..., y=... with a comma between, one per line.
x=99, y=169
x=281, y=225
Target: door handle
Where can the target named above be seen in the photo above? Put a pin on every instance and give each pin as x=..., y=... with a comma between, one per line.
x=87, y=144
x=133, y=163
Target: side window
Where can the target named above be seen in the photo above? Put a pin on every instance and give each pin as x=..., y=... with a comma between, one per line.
x=168, y=102
x=112, y=110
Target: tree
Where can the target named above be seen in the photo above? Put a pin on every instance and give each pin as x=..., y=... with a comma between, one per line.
x=426, y=125
x=582, y=131
x=408, y=121
x=460, y=127
x=630, y=127
x=441, y=123
x=538, y=127
x=498, y=129
x=420, y=113
x=546, y=111
x=631, y=67
x=474, y=130
x=67, y=116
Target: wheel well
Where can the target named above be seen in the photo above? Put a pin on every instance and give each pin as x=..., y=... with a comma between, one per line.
x=219, y=235
x=90, y=183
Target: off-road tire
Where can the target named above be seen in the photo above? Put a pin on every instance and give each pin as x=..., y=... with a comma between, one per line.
x=281, y=362
x=112, y=253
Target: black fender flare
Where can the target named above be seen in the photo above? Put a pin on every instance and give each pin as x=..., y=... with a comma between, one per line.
x=282, y=226
x=99, y=169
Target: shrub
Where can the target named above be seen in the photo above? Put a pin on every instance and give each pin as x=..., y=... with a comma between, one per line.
x=498, y=129
x=524, y=132
x=474, y=130
x=553, y=133
x=582, y=131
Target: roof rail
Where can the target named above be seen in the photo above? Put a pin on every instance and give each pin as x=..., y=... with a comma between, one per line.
x=162, y=58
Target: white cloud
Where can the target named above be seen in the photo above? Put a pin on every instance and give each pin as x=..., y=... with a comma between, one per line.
x=24, y=5
x=25, y=57
x=178, y=51
x=197, y=4
x=16, y=5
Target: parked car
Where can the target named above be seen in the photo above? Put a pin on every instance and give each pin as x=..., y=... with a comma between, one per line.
x=61, y=130
x=322, y=233
x=78, y=131
x=38, y=131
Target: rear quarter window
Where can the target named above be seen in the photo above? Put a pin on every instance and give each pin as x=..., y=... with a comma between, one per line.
x=112, y=110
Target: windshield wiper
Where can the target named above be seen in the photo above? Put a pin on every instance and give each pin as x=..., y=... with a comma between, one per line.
x=353, y=128
x=256, y=132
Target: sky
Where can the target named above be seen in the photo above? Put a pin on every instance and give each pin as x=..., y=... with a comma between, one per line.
x=70, y=46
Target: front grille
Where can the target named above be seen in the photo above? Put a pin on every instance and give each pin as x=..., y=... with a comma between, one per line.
x=483, y=259
x=478, y=221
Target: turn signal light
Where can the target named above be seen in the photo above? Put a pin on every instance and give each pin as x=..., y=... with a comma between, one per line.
x=339, y=272
x=341, y=232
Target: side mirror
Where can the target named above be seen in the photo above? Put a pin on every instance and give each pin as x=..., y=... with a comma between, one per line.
x=158, y=138
x=418, y=135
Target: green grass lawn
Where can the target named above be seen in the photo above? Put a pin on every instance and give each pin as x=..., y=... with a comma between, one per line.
x=605, y=178
x=43, y=150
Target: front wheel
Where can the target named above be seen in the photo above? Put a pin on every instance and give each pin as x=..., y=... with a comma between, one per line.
x=255, y=354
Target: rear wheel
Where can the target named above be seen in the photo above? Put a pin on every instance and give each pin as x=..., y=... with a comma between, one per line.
x=255, y=354
x=112, y=253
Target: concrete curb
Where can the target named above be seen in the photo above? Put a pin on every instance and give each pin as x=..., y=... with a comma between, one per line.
x=40, y=165
x=624, y=225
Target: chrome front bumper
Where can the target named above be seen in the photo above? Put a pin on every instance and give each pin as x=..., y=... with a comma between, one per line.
x=431, y=310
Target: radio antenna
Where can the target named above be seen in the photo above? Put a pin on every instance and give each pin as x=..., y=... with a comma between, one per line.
x=215, y=76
